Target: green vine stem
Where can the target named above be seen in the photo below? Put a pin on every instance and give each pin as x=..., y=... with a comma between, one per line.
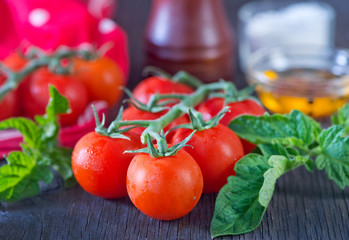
x=180, y=77
x=153, y=127
x=38, y=58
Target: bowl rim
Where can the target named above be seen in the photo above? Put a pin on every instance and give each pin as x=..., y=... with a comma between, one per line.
x=324, y=87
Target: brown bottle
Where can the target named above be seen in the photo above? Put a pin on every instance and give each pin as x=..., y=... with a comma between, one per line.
x=190, y=35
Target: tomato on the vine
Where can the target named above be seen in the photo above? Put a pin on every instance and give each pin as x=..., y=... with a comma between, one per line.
x=9, y=104
x=164, y=188
x=103, y=78
x=216, y=150
x=212, y=106
x=100, y=165
x=160, y=85
x=36, y=97
x=132, y=113
x=15, y=62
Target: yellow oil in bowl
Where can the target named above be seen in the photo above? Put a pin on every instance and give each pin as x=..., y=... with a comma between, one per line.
x=316, y=83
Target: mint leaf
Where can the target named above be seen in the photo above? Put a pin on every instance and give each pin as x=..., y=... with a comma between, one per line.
x=61, y=162
x=58, y=104
x=40, y=151
x=237, y=208
x=48, y=123
x=294, y=129
x=334, y=155
x=15, y=180
x=29, y=130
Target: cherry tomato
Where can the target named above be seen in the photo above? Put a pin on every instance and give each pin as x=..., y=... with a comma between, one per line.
x=100, y=165
x=36, y=97
x=216, y=150
x=16, y=62
x=9, y=104
x=164, y=188
x=152, y=85
x=103, y=78
x=248, y=107
x=132, y=113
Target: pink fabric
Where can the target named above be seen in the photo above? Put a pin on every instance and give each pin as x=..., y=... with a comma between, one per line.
x=48, y=24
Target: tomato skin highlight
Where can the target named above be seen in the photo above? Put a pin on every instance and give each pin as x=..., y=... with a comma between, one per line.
x=100, y=165
x=160, y=85
x=216, y=150
x=102, y=77
x=164, y=188
x=36, y=97
x=212, y=106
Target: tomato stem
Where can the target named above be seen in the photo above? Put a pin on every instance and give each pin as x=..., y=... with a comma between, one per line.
x=181, y=108
x=38, y=58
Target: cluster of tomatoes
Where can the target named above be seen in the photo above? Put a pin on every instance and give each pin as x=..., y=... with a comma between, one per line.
x=166, y=187
x=98, y=79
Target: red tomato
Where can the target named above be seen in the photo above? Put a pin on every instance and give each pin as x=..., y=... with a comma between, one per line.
x=164, y=188
x=103, y=78
x=37, y=95
x=9, y=104
x=15, y=62
x=100, y=165
x=248, y=107
x=216, y=150
x=152, y=85
x=132, y=113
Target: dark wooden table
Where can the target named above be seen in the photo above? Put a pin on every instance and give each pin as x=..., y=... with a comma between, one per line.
x=304, y=206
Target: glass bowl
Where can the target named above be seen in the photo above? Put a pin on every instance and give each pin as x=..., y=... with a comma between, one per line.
x=314, y=80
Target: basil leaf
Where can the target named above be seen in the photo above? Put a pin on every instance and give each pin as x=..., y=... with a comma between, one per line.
x=294, y=129
x=237, y=208
x=334, y=155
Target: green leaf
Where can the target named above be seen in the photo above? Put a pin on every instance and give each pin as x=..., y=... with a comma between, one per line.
x=272, y=149
x=334, y=155
x=237, y=208
x=16, y=177
x=58, y=104
x=61, y=162
x=279, y=165
x=40, y=151
x=342, y=116
x=294, y=129
x=29, y=130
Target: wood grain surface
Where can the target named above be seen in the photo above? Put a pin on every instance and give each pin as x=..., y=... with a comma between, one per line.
x=304, y=206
